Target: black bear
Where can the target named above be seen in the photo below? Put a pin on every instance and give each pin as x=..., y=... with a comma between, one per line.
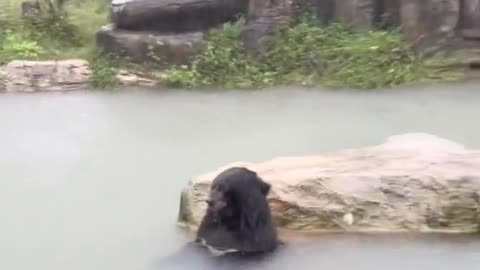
x=237, y=225
x=238, y=215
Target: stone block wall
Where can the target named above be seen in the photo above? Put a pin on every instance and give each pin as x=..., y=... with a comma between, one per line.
x=428, y=25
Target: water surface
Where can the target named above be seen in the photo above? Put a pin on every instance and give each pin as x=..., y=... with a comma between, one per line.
x=91, y=180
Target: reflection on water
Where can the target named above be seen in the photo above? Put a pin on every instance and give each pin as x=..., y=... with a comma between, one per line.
x=92, y=180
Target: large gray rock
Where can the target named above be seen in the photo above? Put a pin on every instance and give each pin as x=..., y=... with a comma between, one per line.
x=471, y=12
x=471, y=19
x=175, y=16
x=359, y=14
x=325, y=11
x=144, y=46
x=30, y=9
x=389, y=12
x=264, y=19
x=412, y=182
x=430, y=25
x=31, y=76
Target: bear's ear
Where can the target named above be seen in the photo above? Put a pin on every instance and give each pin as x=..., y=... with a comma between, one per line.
x=264, y=187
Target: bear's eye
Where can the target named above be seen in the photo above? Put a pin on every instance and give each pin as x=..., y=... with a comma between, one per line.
x=219, y=188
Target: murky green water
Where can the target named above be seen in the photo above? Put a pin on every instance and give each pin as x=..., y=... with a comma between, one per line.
x=91, y=181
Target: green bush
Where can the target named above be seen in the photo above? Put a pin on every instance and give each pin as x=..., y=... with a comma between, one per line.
x=103, y=73
x=16, y=46
x=103, y=67
x=223, y=63
x=53, y=29
x=304, y=54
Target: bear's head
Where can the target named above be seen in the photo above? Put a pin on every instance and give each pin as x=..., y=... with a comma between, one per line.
x=238, y=215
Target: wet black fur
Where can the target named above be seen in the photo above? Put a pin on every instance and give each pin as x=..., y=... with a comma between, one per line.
x=243, y=224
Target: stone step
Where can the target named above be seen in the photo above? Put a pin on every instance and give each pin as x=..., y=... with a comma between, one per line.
x=144, y=46
x=471, y=34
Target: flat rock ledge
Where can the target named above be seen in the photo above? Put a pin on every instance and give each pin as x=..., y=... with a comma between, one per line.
x=411, y=183
x=32, y=76
x=63, y=75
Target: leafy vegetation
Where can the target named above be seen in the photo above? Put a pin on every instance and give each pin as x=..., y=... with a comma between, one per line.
x=62, y=29
x=223, y=63
x=14, y=45
x=103, y=74
x=307, y=55
x=103, y=66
